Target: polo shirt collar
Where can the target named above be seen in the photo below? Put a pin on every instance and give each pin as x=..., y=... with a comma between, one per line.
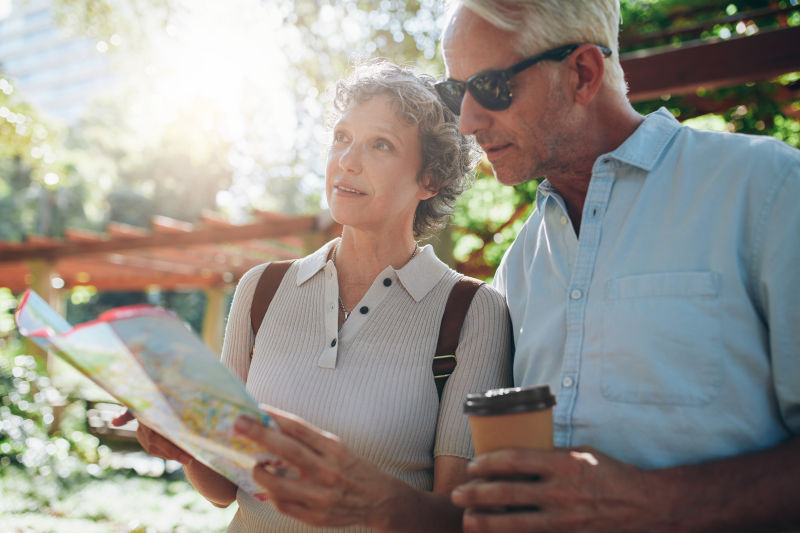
x=422, y=273
x=417, y=277
x=313, y=263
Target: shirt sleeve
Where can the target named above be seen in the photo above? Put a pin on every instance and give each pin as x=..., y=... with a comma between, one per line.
x=239, y=336
x=483, y=362
x=777, y=272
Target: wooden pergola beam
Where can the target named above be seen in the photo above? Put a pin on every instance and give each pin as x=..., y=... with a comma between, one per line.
x=656, y=72
x=52, y=248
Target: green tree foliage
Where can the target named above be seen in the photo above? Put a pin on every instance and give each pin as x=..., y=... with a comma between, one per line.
x=30, y=443
x=758, y=107
x=39, y=191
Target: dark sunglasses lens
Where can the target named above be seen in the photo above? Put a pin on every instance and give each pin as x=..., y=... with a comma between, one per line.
x=491, y=91
x=452, y=93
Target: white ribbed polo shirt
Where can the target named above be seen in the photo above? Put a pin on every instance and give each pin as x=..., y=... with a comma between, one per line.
x=370, y=382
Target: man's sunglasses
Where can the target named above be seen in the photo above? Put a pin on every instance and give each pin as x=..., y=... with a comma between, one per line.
x=491, y=88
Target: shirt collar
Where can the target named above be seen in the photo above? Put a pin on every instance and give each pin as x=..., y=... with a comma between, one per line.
x=311, y=264
x=642, y=149
x=418, y=276
x=647, y=144
x=422, y=273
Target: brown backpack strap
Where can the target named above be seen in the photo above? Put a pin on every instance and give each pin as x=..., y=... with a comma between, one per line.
x=455, y=310
x=265, y=290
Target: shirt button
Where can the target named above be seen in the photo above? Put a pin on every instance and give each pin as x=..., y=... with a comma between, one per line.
x=331, y=307
x=387, y=282
x=576, y=294
x=364, y=310
x=564, y=219
x=333, y=343
x=567, y=382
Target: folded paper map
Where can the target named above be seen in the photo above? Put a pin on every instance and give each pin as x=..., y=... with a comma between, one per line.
x=153, y=364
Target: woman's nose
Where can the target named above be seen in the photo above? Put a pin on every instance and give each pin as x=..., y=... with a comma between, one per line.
x=350, y=159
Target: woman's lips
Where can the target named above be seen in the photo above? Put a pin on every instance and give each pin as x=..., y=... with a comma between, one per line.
x=345, y=189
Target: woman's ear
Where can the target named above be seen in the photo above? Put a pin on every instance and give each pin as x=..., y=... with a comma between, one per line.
x=425, y=190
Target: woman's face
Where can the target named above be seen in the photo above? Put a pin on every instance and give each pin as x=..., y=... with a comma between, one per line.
x=373, y=164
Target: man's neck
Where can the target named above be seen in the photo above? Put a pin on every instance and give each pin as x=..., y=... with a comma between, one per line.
x=608, y=129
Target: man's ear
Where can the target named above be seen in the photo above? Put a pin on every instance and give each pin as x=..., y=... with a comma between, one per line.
x=589, y=65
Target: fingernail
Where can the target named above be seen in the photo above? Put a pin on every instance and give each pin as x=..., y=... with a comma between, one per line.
x=468, y=519
x=242, y=424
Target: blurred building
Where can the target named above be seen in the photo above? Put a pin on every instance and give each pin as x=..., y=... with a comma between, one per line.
x=57, y=73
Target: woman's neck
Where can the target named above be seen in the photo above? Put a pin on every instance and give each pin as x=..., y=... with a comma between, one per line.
x=360, y=257
x=363, y=255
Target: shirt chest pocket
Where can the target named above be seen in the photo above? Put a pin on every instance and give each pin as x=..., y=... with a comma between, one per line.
x=661, y=338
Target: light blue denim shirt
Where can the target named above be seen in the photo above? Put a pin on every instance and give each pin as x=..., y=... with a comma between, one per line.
x=670, y=330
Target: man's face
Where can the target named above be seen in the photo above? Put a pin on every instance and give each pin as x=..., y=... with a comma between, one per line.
x=523, y=141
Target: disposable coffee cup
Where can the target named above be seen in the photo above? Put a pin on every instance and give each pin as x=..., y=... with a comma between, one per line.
x=517, y=417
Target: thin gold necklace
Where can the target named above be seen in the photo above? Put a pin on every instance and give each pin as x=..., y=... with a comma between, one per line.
x=333, y=258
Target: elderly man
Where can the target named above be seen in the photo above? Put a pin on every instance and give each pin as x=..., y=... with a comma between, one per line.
x=655, y=288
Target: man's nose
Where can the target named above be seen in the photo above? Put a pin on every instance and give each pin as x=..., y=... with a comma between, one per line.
x=474, y=117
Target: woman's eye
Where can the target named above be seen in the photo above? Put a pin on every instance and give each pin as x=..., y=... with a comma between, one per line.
x=339, y=137
x=383, y=146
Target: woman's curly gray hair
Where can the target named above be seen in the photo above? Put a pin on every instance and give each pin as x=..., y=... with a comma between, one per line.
x=448, y=157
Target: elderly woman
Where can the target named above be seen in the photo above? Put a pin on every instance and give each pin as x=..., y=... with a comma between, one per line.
x=348, y=340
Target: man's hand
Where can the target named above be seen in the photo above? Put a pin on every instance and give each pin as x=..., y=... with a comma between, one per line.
x=154, y=443
x=576, y=489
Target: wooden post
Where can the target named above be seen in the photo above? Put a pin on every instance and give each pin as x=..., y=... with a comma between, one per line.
x=214, y=319
x=41, y=272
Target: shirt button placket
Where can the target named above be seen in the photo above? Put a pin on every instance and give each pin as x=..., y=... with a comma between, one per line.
x=582, y=271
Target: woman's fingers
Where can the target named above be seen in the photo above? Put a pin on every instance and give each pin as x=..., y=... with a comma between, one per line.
x=284, y=446
x=322, y=442
x=311, y=503
x=333, y=487
x=154, y=443
x=159, y=446
x=300, y=443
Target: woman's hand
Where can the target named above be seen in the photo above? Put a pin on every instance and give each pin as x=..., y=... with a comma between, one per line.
x=332, y=487
x=154, y=443
x=213, y=486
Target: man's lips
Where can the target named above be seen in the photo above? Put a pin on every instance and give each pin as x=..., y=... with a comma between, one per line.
x=495, y=151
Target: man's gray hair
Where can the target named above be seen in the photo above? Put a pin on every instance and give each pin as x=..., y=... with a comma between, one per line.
x=448, y=157
x=544, y=24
